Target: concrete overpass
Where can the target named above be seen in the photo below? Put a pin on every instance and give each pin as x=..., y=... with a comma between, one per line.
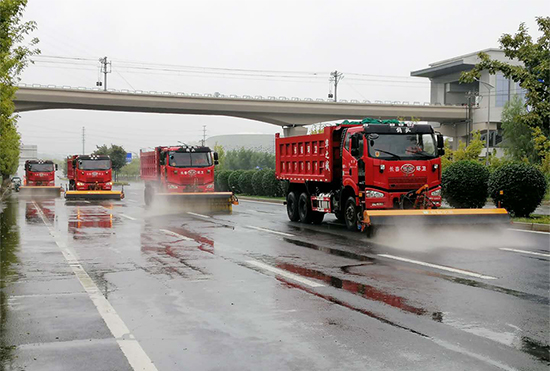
x=291, y=114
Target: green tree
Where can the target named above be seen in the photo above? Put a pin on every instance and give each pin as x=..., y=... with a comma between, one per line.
x=221, y=157
x=14, y=57
x=131, y=169
x=518, y=138
x=533, y=75
x=470, y=152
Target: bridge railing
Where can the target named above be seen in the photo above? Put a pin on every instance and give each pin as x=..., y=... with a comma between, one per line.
x=231, y=96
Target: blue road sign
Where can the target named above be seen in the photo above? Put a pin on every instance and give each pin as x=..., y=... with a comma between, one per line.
x=128, y=158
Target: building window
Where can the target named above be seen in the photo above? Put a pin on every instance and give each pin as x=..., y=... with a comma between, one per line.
x=502, y=90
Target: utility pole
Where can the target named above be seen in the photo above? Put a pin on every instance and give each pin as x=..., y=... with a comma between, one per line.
x=105, y=69
x=83, y=140
x=335, y=78
x=469, y=124
x=203, y=135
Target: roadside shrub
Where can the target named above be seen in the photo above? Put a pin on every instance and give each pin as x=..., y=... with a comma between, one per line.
x=258, y=183
x=222, y=181
x=523, y=187
x=271, y=184
x=233, y=181
x=245, y=182
x=464, y=184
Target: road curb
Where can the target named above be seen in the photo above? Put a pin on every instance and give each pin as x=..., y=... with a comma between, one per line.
x=280, y=202
x=531, y=226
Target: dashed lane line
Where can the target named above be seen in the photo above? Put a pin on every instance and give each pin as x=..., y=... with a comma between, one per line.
x=196, y=214
x=436, y=266
x=526, y=231
x=525, y=252
x=131, y=348
x=174, y=234
x=270, y=231
x=284, y=273
x=127, y=216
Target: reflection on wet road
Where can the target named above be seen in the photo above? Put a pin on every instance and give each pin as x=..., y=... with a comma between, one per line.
x=114, y=286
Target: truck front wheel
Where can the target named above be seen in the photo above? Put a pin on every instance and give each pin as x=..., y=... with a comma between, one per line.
x=350, y=214
x=292, y=207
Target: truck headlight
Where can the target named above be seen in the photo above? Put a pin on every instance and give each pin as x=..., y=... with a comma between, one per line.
x=374, y=194
x=79, y=184
x=436, y=193
x=210, y=186
x=171, y=186
x=109, y=183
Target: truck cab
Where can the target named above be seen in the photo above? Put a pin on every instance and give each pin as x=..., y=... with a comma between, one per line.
x=386, y=162
x=40, y=173
x=89, y=172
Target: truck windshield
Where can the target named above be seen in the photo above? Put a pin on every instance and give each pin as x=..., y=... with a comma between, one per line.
x=186, y=159
x=400, y=146
x=94, y=164
x=40, y=167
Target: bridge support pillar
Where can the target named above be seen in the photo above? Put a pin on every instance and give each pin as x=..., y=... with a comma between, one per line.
x=294, y=130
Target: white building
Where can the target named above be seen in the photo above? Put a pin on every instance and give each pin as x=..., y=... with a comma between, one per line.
x=490, y=93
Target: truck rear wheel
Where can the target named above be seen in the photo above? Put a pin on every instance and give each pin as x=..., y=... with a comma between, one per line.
x=292, y=207
x=304, y=208
x=350, y=214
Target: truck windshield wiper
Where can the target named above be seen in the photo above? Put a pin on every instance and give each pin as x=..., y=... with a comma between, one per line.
x=389, y=153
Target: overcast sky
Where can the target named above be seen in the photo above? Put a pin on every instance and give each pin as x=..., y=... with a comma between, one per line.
x=374, y=43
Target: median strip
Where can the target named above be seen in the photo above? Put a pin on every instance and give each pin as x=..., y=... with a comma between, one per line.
x=525, y=252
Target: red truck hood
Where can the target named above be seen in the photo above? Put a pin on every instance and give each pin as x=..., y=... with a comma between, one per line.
x=189, y=175
x=405, y=174
x=40, y=176
x=92, y=176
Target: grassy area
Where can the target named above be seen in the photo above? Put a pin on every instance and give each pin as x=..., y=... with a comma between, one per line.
x=262, y=197
x=534, y=218
x=121, y=183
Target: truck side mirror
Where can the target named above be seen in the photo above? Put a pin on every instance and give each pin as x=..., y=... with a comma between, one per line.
x=440, y=141
x=441, y=151
x=216, y=156
x=216, y=162
x=55, y=167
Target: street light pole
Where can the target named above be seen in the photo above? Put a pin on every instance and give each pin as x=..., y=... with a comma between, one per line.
x=489, y=87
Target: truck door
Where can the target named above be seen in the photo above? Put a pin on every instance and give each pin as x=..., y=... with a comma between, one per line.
x=349, y=161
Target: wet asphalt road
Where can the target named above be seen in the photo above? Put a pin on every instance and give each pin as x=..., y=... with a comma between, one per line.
x=113, y=286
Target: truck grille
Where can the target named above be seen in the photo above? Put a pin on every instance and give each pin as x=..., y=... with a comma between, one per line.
x=407, y=183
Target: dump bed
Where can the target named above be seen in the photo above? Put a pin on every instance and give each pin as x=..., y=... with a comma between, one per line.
x=313, y=157
x=150, y=164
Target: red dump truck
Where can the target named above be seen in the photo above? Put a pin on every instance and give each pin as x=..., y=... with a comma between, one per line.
x=90, y=177
x=183, y=176
x=40, y=179
x=369, y=173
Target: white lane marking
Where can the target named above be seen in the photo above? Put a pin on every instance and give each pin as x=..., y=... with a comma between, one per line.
x=176, y=235
x=270, y=231
x=523, y=230
x=442, y=267
x=284, y=273
x=131, y=201
x=127, y=216
x=525, y=252
x=131, y=348
x=195, y=214
x=263, y=202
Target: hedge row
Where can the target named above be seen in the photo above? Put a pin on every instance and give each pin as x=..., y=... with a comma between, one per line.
x=517, y=187
x=249, y=182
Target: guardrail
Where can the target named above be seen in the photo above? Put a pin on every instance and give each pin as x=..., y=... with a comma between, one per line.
x=231, y=96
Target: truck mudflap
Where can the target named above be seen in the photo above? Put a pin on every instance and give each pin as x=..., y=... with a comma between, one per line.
x=428, y=217
x=198, y=201
x=40, y=191
x=94, y=195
